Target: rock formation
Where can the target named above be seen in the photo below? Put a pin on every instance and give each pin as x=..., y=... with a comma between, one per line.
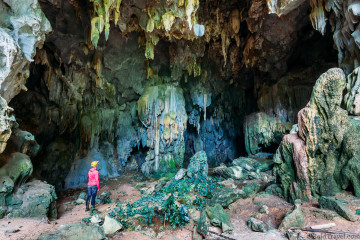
x=320, y=159
x=161, y=110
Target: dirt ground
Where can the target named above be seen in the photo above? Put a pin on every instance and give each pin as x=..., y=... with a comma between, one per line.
x=124, y=189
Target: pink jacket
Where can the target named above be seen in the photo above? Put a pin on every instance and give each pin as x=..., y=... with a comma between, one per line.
x=94, y=178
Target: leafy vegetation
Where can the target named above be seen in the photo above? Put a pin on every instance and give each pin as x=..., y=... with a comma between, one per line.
x=170, y=201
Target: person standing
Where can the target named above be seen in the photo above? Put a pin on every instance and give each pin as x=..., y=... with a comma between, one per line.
x=93, y=185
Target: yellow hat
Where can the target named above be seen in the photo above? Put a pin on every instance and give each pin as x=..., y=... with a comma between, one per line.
x=94, y=163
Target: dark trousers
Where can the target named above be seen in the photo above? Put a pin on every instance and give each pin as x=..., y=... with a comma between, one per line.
x=92, y=190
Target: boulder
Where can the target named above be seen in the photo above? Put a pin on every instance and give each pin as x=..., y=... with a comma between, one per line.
x=275, y=190
x=14, y=173
x=75, y=231
x=180, y=174
x=198, y=165
x=35, y=199
x=307, y=163
x=226, y=196
x=247, y=163
x=111, y=225
x=337, y=206
x=235, y=172
x=257, y=225
x=251, y=189
x=96, y=218
x=219, y=218
x=23, y=142
x=19, y=167
x=293, y=218
x=203, y=224
x=264, y=209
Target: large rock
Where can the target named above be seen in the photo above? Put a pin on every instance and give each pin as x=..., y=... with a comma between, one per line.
x=234, y=172
x=27, y=26
x=18, y=168
x=198, y=165
x=74, y=231
x=203, y=224
x=257, y=225
x=293, y=218
x=161, y=110
x=111, y=225
x=225, y=196
x=23, y=142
x=35, y=199
x=219, y=218
x=263, y=131
x=338, y=207
x=307, y=163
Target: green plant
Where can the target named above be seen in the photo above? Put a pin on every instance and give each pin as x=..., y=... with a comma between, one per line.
x=177, y=217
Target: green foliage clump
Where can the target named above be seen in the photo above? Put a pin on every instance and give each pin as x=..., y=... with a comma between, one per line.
x=86, y=220
x=171, y=201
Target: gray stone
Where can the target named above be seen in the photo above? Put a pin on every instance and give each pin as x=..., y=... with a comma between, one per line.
x=23, y=142
x=75, y=231
x=219, y=218
x=198, y=165
x=180, y=174
x=111, y=225
x=275, y=190
x=264, y=209
x=293, y=218
x=35, y=199
x=235, y=172
x=257, y=225
x=336, y=206
x=203, y=224
x=96, y=218
x=226, y=196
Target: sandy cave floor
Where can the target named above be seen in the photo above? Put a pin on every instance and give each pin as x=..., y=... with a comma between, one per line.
x=124, y=189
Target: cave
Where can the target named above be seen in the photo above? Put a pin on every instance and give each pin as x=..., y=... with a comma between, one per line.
x=189, y=109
